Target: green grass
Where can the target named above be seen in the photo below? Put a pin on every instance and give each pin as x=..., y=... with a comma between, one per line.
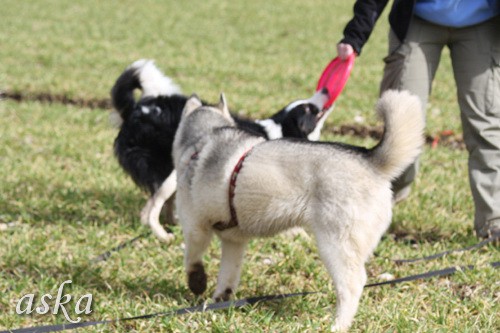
x=62, y=186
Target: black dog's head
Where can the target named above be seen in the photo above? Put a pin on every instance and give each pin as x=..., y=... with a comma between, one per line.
x=300, y=120
x=303, y=118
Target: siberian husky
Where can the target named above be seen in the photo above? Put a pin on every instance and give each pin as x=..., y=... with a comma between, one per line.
x=240, y=186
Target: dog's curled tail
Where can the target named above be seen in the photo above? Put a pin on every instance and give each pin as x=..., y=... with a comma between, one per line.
x=144, y=75
x=403, y=132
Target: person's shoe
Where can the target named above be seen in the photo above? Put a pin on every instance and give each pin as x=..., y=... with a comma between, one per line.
x=490, y=229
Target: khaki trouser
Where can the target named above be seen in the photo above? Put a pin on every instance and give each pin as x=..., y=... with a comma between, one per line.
x=475, y=55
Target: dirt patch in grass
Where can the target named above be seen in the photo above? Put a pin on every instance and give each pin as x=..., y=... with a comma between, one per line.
x=55, y=98
x=444, y=138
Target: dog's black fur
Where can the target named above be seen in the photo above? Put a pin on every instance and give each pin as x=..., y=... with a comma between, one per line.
x=143, y=145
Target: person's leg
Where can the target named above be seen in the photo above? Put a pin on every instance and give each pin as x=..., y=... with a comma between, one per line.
x=475, y=53
x=411, y=65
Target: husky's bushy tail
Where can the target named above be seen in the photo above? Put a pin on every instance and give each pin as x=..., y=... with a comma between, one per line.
x=143, y=75
x=403, y=133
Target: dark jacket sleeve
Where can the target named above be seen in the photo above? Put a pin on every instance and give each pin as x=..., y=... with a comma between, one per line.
x=358, y=30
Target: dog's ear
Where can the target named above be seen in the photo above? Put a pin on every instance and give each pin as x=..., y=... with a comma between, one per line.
x=223, y=106
x=192, y=104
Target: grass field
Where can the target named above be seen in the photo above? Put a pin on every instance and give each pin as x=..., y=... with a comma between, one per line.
x=68, y=200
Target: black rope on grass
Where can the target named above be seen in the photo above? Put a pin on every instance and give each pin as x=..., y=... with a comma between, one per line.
x=444, y=253
x=231, y=304
x=104, y=256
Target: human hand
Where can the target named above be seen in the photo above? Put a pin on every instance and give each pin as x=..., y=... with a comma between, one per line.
x=344, y=50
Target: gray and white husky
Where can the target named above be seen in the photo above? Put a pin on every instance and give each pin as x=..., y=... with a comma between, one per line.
x=239, y=186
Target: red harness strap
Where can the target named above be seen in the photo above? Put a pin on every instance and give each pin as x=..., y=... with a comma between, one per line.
x=233, y=222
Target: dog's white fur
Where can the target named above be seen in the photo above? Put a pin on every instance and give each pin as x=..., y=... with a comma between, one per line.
x=315, y=135
x=343, y=197
x=153, y=82
x=150, y=214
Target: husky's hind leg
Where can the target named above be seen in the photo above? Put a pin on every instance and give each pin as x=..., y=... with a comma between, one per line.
x=346, y=267
x=230, y=269
x=196, y=240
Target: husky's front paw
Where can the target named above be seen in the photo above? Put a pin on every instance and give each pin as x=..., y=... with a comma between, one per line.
x=197, y=279
x=223, y=296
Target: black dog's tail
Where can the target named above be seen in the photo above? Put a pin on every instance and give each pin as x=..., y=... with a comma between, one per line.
x=143, y=75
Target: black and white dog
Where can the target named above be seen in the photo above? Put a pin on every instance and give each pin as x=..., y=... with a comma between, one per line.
x=148, y=125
